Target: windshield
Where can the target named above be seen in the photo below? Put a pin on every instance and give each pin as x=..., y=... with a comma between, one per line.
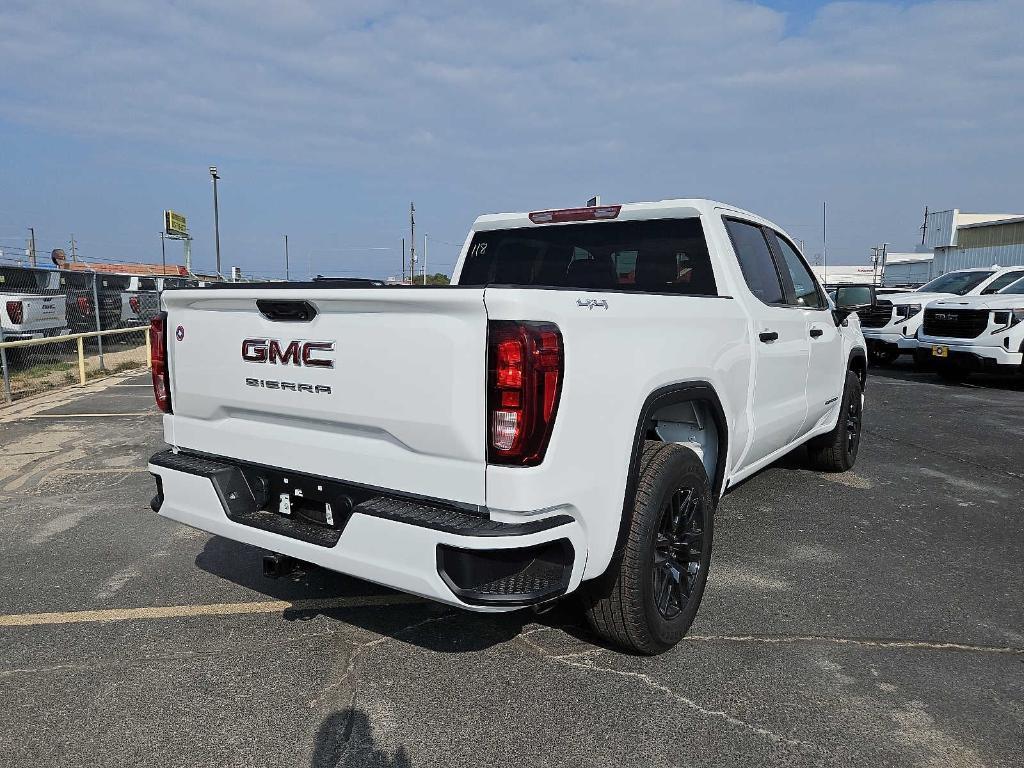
x=654, y=256
x=960, y=283
x=1017, y=287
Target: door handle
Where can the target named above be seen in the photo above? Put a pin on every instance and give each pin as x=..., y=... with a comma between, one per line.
x=767, y=336
x=816, y=332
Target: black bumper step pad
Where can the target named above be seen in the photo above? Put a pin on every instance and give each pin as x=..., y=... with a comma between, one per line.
x=449, y=520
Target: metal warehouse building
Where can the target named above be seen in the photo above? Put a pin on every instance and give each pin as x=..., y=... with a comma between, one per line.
x=962, y=240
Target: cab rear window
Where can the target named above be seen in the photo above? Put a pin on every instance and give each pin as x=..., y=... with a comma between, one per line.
x=23, y=280
x=653, y=256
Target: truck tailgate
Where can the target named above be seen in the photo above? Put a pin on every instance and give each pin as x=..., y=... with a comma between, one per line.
x=38, y=313
x=401, y=407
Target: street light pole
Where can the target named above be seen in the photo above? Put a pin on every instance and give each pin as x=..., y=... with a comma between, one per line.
x=286, y=277
x=163, y=254
x=216, y=214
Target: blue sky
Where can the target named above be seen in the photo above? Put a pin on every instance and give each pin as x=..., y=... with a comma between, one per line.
x=326, y=119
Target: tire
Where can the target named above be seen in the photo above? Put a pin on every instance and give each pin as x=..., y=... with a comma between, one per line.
x=952, y=373
x=647, y=599
x=837, y=450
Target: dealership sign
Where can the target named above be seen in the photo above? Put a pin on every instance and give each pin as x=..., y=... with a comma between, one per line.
x=174, y=224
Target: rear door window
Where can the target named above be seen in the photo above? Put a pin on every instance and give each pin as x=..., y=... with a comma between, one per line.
x=653, y=256
x=756, y=261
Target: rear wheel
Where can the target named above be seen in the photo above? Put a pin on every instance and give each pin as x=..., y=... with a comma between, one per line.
x=650, y=594
x=837, y=450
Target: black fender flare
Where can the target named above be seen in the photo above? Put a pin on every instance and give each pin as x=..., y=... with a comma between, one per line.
x=672, y=394
x=858, y=353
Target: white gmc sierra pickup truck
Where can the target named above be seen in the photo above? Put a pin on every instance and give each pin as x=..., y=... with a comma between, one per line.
x=891, y=327
x=983, y=334
x=564, y=417
x=27, y=311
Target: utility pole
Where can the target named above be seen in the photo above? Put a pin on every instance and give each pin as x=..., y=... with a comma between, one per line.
x=425, y=237
x=924, y=225
x=403, y=261
x=412, y=242
x=824, y=241
x=885, y=254
x=874, y=264
x=32, y=247
x=74, y=253
x=163, y=253
x=286, y=277
x=216, y=214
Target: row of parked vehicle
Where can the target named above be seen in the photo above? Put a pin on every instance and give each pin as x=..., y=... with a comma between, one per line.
x=962, y=322
x=38, y=303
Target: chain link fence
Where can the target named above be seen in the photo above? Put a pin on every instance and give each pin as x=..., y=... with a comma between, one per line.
x=60, y=328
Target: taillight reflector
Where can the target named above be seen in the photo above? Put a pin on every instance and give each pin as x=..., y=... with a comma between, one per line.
x=525, y=363
x=16, y=311
x=84, y=305
x=135, y=304
x=589, y=213
x=161, y=373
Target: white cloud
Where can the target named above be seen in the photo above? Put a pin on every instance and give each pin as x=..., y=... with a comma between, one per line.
x=881, y=107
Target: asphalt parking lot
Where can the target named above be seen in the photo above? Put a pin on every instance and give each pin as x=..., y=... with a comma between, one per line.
x=872, y=618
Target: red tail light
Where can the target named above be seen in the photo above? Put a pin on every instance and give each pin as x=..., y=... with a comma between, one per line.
x=590, y=213
x=84, y=305
x=135, y=304
x=161, y=373
x=16, y=311
x=524, y=370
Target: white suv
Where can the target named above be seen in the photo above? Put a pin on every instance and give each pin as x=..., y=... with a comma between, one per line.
x=890, y=328
x=975, y=333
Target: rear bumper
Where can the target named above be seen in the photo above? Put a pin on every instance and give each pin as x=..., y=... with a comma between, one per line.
x=429, y=549
x=32, y=335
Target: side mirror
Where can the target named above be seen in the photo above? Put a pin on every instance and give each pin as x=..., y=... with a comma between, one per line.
x=853, y=298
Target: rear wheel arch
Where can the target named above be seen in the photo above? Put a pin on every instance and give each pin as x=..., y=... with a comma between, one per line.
x=659, y=400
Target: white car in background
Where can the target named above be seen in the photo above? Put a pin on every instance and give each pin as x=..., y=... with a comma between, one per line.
x=890, y=328
x=27, y=310
x=975, y=334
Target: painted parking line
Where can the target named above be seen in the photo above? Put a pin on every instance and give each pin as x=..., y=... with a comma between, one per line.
x=98, y=471
x=89, y=415
x=191, y=611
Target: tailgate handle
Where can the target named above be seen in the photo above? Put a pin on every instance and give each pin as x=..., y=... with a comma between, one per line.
x=286, y=311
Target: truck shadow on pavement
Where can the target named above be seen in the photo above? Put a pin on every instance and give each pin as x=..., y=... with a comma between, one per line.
x=345, y=739
x=361, y=603
x=908, y=372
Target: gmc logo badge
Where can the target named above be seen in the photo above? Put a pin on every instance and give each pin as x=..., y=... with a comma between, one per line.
x=310, y=354
x=940, y=316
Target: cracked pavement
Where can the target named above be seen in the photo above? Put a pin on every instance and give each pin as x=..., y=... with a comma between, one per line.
x=872, y=618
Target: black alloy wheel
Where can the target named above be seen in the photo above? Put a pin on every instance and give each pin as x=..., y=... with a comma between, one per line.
x=678, y=550
x=854, y=412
